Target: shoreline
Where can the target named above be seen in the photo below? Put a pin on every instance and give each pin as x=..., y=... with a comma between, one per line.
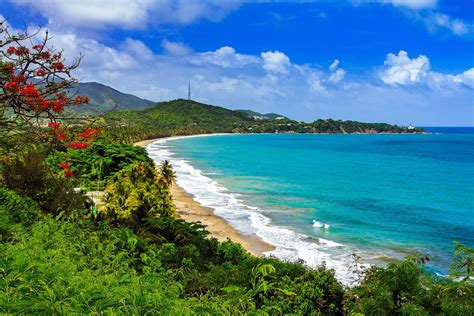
x=192, y=211
x=278, y=241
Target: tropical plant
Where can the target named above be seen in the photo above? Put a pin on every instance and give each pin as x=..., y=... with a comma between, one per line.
x=135, y=194
x=167, y=175
x=463, y=262
x=34, y=89
x=95, y=165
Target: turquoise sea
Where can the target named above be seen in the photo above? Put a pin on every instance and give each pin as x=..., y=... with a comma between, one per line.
x=324, y=197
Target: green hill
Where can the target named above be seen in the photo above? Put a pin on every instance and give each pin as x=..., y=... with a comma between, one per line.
x=146, y=119
x=179, y=117
x=271, y=116
x=104, y=98
x=185, y=117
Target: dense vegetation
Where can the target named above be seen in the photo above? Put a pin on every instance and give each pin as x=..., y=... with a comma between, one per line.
x=184, y=117
x=95, y=165
x=62, y=253
x=135, y=257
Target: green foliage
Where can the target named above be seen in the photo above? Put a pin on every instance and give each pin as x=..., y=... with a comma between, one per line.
x=69, y=268
x=135, y=194
x=15, y=209
x=96, y=164
x=463, y=261
x=402, y=288
x=28, y=175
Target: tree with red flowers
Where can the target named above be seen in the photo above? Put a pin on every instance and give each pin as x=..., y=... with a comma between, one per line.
x=35, y=90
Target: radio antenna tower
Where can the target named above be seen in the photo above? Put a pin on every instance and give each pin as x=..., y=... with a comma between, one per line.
x=189, y=90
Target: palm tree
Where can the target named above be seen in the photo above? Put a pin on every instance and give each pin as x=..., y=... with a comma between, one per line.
x=167, y=175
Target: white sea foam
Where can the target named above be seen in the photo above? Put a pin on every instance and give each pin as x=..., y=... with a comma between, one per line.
x=289, y=244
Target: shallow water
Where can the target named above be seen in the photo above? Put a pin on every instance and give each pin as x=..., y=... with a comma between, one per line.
x=381, y=195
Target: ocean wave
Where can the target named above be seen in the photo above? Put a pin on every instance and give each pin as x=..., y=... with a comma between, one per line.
x=289, y=245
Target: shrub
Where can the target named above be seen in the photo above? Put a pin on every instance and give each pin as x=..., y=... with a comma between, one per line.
x=404, y=288
x=15, y=209
x=75, y=268
x=98, y=163
x=28, y=175
x=134, y=194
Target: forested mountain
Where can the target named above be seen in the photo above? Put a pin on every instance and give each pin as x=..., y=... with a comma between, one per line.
x=104, y=98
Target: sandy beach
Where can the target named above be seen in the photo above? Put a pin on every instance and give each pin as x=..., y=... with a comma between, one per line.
x=192, y=211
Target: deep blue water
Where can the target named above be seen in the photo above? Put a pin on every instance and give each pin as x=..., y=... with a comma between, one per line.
x=381, y=195
x=450, y=130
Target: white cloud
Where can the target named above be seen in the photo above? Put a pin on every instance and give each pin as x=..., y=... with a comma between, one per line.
x=225, y=56
x=275, y=62
x=129, y=14
x=424, y=11
x=188, y=11
x=437, y=21
x=466, y=78
x=412, y=4
x=316, y=83
x=92, y=13
x=402, y=70
x=175, y=48
x=269, y=82
x=137, y=49
x=409, y=4
x=334, y=65
x=337, y=74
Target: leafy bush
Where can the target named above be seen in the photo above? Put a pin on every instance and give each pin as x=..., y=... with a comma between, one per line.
x=135, y=194
x=97, y=164
x=69, y=268
x=28, y=175
x=15, y=209
x=403, y=288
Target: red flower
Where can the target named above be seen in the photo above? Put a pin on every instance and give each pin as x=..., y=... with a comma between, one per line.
x=61, y=137
x=38, y=47
x=68, y=173
x=64, y=164
x=30, y=91
x=67, y=169
x=12, y=50
x=19, y=78
x=22, y=51
x=41, y=72
x=11, y=86
x=54, y=124
x=45, y=55
x=58, y=66
x=79, y=145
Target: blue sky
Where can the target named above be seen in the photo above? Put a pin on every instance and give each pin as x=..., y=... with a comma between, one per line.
x=398, y=61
